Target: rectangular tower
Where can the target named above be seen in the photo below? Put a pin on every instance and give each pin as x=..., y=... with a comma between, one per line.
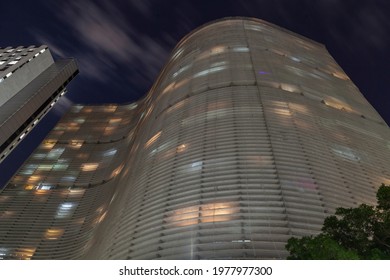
x=31, y=82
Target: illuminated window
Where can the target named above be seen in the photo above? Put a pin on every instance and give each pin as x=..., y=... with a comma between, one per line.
x=76, y=144
x=68, y=179
x=33, y=179
x=110, y=108
x=281, y=111
x=89, y=166
x=117, y=170
x=110, y=152
x=60, y=167
x=337, y=103
x=65, y=209
x=55, y=153
x=182, y=148
x=76, y=193
x=219, y=63
x=109, y=130
x=240, y=49
x=196, y=166
x=207, y=213
x=25, y=253
x=115, y=121
x=44, y=187
x=177, y=54
x=131, y=106
x=72, y=126
x=3, y=252
x=168, y=88
x=38, y=156
x=209, y=71
x=296, y=59
x=48, y=144
x=44, y=167
x=79, y=120
x=76, y=109
x=181, y=70
x=340, y=75
x=153, y=139
x=29, y=169
x=255, y=27
x=346, y=153
x=29, y=187
x=53, y=233
x=213, y=51
x=289, y=88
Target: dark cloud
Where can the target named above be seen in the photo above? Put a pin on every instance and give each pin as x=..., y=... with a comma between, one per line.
x=104, y=39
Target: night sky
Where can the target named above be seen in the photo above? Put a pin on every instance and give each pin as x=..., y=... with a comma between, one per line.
x=121, y=46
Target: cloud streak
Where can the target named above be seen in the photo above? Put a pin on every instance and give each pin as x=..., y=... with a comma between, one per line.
x=105, y=39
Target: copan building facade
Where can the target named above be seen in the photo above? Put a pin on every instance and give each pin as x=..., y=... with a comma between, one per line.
x=251, y=134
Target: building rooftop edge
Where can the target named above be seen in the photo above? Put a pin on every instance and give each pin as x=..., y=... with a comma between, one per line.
x=243, y=18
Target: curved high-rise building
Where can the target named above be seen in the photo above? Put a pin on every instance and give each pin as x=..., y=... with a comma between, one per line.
x=251, y=134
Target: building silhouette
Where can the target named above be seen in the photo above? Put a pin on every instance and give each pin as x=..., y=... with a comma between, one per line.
x=31, y=82
x=251, y=134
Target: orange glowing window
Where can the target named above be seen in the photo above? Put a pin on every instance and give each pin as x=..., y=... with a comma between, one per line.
x=25, y=253
x=153, y=139
x=29, y=187
x=33, y=179
x=206, y=213
x=87, y=110
x=48, y=144
x=76, y=144
x=115, y=121
x=53, y=234
x=110, y=109
x=76, y=193
x=117, y=170
x=182, y=148
x=89, y=166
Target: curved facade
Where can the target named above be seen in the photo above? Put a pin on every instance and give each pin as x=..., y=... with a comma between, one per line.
x=250, y=135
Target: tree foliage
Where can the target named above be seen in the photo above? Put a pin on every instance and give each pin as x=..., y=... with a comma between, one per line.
x=352, y=233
